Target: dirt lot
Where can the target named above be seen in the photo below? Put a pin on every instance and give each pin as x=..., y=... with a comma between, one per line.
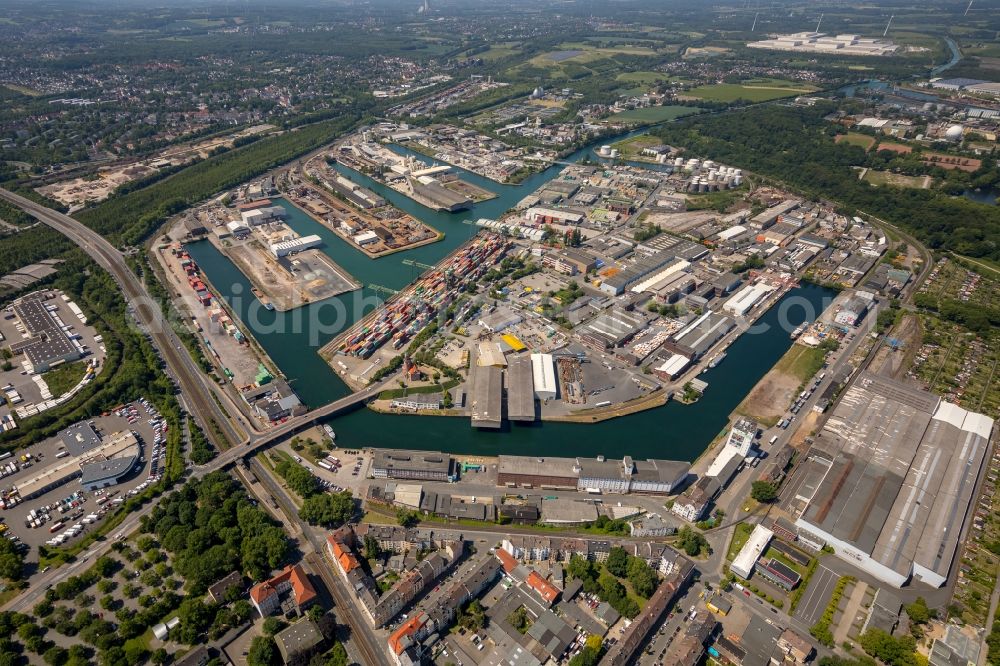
x=772, y=395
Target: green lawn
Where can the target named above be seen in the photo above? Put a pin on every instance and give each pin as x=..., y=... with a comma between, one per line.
x=740, y=537
x=730, y=92
x=801, y=362
x=64, y=377
x=654, y=114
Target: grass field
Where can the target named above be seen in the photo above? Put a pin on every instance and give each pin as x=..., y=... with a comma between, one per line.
x=64, y=377
x=642, y=77
x=801, y=362
x=763, y=92
x=630, y=148
x=857, y=139
x=740, y=537
x=897, y=179
x=498, y=51
x=572, y=59
x=653, y=114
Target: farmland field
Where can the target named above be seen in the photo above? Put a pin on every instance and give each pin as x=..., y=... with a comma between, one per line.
x=752, y=92
x=653, y=114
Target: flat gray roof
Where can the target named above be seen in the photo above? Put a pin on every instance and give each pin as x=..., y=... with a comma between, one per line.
x=538, y=466
x=520, y=389
x=487, y=397
x=79, y=438
x=902, y=477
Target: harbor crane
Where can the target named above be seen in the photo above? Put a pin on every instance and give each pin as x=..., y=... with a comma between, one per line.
x=414, y=264
x=381, y=291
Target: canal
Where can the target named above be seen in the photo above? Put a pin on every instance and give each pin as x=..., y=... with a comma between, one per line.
x=292, y=339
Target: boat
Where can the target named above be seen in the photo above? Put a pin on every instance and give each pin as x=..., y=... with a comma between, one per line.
x=717, y=360
x=798, y=331
x=264, y=300
x=329, y=432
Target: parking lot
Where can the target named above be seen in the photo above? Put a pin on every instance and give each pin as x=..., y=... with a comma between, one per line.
x=63, y=512
x=816, y=596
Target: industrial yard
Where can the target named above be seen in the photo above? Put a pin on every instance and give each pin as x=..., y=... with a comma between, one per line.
x=284, y=267
x=359, y=216
x=435, y=186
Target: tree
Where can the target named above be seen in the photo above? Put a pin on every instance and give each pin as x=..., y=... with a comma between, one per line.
x=272, y=625
x=328, y=509
x=764, y=491
x=617, y=562
x=262, y=651
x=56, y=656
x=337, y=656
x=407, y=517
x=370, y=547
x=11, y=560
x=918, y=611
x=691, y=542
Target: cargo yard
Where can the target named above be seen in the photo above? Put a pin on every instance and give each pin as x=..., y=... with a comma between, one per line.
x=286, y=270
x=435, y=186
x=356, y=214
x=374, y=341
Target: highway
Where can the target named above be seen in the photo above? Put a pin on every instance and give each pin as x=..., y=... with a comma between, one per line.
x=195, y=386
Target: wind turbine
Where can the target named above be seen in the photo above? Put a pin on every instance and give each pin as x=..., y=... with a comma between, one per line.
x=819, y=22
x=968, y=8
x=887, y=25
x=754, y=27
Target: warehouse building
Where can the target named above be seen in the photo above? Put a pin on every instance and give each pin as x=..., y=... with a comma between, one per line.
x=103, y=464
x=439, y=196
x=284, y=248
x=631, y=273
x=423, y=465
x=520, y=390
x=543, y=372
x=746, y=298
x=612, y=476
x=611, y=329
x=487, y=397
x=892, y=479
x=262, y=215
x=628, y=475
x=47, y=344
x=695, y=339
x=536, y=472
x=853, y=311
x=743, y=563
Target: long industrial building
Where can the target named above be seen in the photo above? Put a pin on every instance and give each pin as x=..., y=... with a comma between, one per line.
x=891, y=480
x=695, y=339
x=520, y=390
x=624, y=475
x=487, y=397
x=543, y=370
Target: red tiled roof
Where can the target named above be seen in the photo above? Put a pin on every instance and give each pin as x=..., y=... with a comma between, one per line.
x=302, y=589
x=544, y=588
x=506, y=560
x=406, y=630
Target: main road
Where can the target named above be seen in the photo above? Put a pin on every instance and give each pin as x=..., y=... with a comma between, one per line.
x=195, y=386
